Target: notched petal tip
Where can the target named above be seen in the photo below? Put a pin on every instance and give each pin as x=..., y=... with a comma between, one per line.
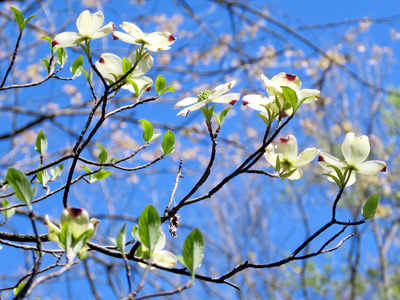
x=114, y=27
x=54, y=43
x=384, y=169
x=290, y=77
x=184, y=113
x=75, y=211
x=148, y=89
x=320, y=158
x=233, y=102
x=101, y=60
x=284, y=140
x=171, y=38
x=114, y=37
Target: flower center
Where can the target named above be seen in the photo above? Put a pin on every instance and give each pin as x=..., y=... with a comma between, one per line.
x=203, y=95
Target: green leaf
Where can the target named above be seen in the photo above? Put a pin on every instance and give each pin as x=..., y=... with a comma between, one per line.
x=62, y=56
x=287, y=174
x=47, y=38
x=41, y=143
x=223, y=114
x=21, y=186
x=135, y=87
x=19, y=18
x=86, y=169
x=193, y=251
x=160, y=85
x=101, y=175
x=148, y=130
x=103, y=154
x=265, y=119
x=76, y=65
x=18, y=289
x=340, y=175
x=42, y=176
x=9, y=212
x=370, y=207
x=277, y=167
x=57, y=171
x=169, y=89
x=28, y=19
x=290, y=96
x=126, y=65
x=168, y=143
x=46, y=65
x=208, y=112
x=335, y=179
x=149, y=228
x=121, y=240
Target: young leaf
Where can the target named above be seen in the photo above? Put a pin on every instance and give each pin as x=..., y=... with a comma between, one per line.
x=126, y=65
x=148, y=130
x=41, y=143
x=370, y=206
x=265, y=119
x=135, y=87
x=57, y=171
x=290, y=96
x=277, y=164
x=100, y=175
x=19, y=18
x=207, y=112
x=288, y=174
x=120, y=241
x=19, y=288
x=193, y=251
x=149, y=228
x=46, y=65
x=168, y=143
x=42, y=176
x=62, y=56
x=21, y=186
x=86, y=169
x=223, y=114
x=103, y=154
x=9, y=212
x=76, y=65
x=160, y=85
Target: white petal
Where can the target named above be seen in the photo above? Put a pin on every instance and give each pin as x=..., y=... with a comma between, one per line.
x=270, y=155
x=221, y=89
x=371, y=167
x=103, y=31
x=255, y=101
x=272, y=88
x=110, y=64
x=67, y=39
x=296, y=175
x=311, y=95
x=228, y=98
x=288, y=147
x=144, y=64
x=285, y=79
x=186, y=102
x=88, y=23
x=161, y=40
x=160, y=243
x=124, y=37
x=164, y=258
x=325, y=160
x=305, y=157
x=352, y=178
x=134, y=31
x=196, y=106
x=355, y=149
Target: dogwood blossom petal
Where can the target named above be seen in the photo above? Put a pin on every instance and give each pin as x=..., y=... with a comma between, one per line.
x=310, y=94
x=222, y=89
x=77, y=218
x=88, y=23
x=156, y=41
x=184, y=112
x=228, y=98
x=143, y=66
x=109, y=64
x=164, y=258
x=288, y=147
x=355, y=149
x=186, y=102
x=256, y=102
x=326, y=159
x=305, y=157
x=270, y=155
x=89, y=28
x=371, y=167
